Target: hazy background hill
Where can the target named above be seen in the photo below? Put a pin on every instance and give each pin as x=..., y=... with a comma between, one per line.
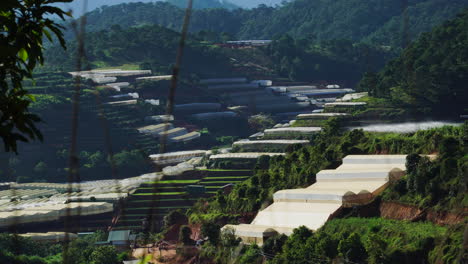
x=380, y=22
x=77, y=5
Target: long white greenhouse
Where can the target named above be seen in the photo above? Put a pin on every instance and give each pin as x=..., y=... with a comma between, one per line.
x=244, y=155
x=176, y=157
x=356, y=182
x=293, y=130
x=155, y=129
x=321, y=116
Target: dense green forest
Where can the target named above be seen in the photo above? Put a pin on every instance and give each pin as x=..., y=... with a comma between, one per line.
x=152, y=47
x=205, y=4
x=20, y=250
x=430, y=75
x=380, y=22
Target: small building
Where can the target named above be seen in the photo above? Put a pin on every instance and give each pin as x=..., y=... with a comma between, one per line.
x=119, y=238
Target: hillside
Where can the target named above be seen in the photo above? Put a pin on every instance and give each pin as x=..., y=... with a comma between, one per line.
x=356, y=20
x=77, y=5
x=152, y=47
x=431, y=74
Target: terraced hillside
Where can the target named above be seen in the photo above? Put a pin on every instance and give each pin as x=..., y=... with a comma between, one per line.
x=154, y=200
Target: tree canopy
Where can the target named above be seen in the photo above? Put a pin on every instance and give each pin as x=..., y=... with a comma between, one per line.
x=23, y=26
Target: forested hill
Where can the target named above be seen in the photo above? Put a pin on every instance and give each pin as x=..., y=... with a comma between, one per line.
x=152, y=47
x=379, y=21
x=205, y=4
x=431, y=74
x=77, y=5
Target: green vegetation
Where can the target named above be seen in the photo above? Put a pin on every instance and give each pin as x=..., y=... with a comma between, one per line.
x=429, y=77
x=379, y=22
x=371, y=241
x=24, y=25
x=18, y=250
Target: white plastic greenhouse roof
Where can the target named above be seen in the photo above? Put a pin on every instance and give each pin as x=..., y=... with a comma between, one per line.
x=155, y=129
x=111, y=73
x=169, y=155
x=50, y=236
x=126, y=102
x=356, y=182
x=374, y=159
x=320, y=115
x=244, y=155
x=52, y=213
x=270, y=142
x=303, y=130
x=154, y=78
x=187, y=137
x=293, y=215
x=352, y=96
x=345, y=104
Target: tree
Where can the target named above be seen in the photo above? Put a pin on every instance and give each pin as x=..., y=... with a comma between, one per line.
x=352, y=248
x=23, y=26
x=212, y=231
x=184, y=234
x=104, y=255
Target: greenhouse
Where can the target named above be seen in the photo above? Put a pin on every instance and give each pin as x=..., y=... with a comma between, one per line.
x=356, y=182
x=176, y=157
x=263, y=82
x=110, y=73
x=155, y=129
x=154, y=78
x=244, y=155
x=118, y=86
x=56, y=237
x=126, y=96
x=25, y=193
x=352, y=96
x=345, y=104
x=278, y=142
x=159, y=118
x=293, y=130
x=126, y=102
x=60, y=187
x=321, y=116
x=171, y=133
x=187, y=137
x=52, y=213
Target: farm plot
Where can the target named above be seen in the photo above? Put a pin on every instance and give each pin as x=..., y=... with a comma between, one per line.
x=156, y=199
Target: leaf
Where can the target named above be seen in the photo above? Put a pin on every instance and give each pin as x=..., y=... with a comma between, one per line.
x=32, y=97
x=23, y=54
